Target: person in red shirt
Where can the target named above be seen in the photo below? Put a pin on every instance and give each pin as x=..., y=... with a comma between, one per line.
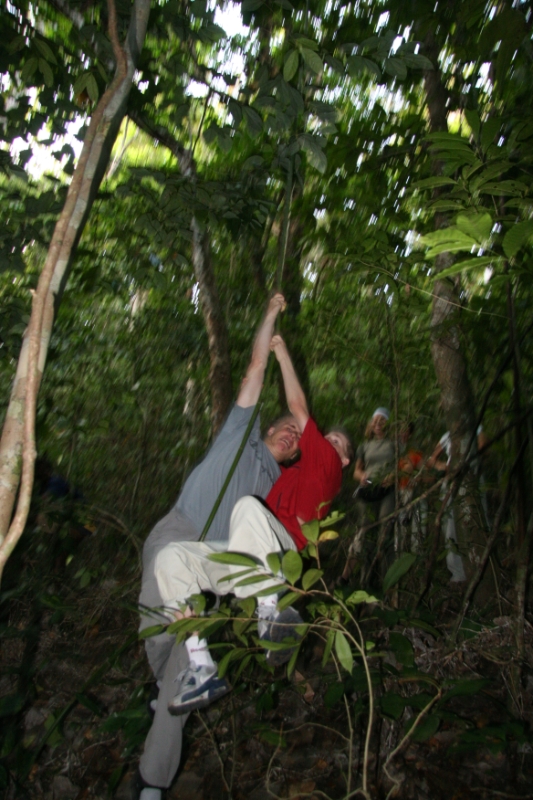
x=306, y=489
x=304, y=492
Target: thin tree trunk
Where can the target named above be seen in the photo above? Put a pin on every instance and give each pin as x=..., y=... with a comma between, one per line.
x=18, y=437
x=450, y=366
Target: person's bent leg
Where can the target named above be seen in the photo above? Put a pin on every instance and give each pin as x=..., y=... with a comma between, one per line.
x=255, y=531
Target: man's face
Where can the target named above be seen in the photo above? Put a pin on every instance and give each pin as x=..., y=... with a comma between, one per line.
x=282, y=439
x=339, y=441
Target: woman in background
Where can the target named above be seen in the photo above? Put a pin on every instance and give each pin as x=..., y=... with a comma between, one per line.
x=374, y=471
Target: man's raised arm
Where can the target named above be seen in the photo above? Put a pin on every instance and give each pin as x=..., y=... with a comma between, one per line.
x=293, y=391
x=253, y=382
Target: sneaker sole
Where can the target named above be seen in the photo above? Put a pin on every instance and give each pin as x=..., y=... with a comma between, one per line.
x=213, y=690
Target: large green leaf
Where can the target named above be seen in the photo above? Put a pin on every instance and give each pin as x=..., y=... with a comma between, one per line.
x=291, y=65
x=427, y=728
x=398, y=569
x=343, y=651
x=431, y=183
x=312, y=59
x=478, y=226
x=396, y=67
x=470, y=263
x=291, y=566
x=516, y=236
x=311, y=577
x=274, y=563
x=392, y=705
x=235, y=559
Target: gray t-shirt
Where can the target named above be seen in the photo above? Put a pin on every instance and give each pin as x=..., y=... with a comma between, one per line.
x=377, y=456
x=255, y=474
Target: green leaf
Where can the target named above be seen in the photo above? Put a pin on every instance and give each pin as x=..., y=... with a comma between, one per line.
x=361, y=597
x=392, y=705
x=426, y=729
x=309, y=44
x=396, y=67
x=334, y=693
x=430, y=183
x=152, y=630
x=478, y=226
x=472, y=117
x=357, y=65
x=46, y=72
x=449, y=237
x=489, y=130
x=92, y=88
x=402, y=648
x=311, y=577
x=235, y=654
x=253, y=579
x=417, y=61
x=254, y=123
x=424, y=626
x=343, y=651
x=292, y=663
x=248, y=605
x=234, y=575
x=274, y=563
x=312, y=59
x=470, y=263
x=29, y=68
x=398, y=569
x=330, y=639
x=311, y=530
x=314, y=151
x=504, y=188
x=465, y=687
x=291, y=65
x=291, y=566
x=275, y=589
x=236, y=559
x=516, y=236
x=252, y=162
x=287, y=600
x=45, y=50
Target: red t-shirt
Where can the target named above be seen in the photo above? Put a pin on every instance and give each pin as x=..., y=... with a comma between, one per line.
x=307, y=488
x=411, y=458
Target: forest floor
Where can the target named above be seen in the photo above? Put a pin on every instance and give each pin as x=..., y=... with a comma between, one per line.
x=74, y=685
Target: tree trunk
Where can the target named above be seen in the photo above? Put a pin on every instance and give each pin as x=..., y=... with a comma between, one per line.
x=18, y=437
x=449, y=361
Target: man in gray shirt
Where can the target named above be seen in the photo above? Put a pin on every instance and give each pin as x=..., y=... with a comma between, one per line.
x=257, y=470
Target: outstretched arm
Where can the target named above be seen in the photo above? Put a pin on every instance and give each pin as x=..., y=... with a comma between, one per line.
x=253, y=381
x=293, y=391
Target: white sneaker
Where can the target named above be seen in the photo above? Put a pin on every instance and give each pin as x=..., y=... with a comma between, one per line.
x=282, y=625
x=199, y=686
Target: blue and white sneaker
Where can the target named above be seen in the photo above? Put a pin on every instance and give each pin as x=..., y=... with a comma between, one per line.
x=280, y=626
x=198, y=687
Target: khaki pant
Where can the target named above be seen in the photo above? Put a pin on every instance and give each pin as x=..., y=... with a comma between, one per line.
x=183, y=568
